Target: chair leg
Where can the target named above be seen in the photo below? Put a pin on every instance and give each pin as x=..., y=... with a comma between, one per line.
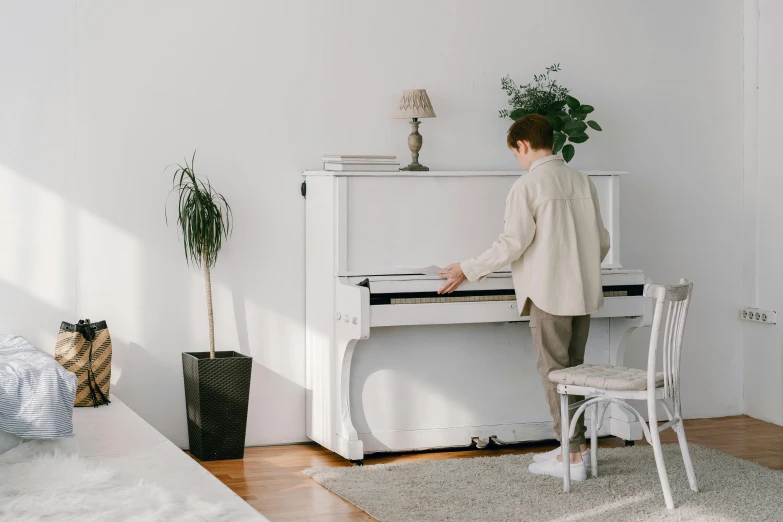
x=594, y=440
x=565, y=451
x=679, y=429
x=655, y=438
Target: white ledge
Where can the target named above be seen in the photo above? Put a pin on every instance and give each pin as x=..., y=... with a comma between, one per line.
x=443, y=173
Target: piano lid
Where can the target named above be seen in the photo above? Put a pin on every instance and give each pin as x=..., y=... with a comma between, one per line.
x=396, y=283
x=398, y=271
x=391, y=274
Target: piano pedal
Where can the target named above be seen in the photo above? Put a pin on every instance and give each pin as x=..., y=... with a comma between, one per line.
x=481, y=442
x=498, y=442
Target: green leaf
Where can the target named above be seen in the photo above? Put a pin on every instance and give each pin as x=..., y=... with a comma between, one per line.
x=572, y=102
x=586, y=109
x=556, y=106
x=574, y=127
x=518, y=113
x=568, y=152
x=579, y=138
x=594, y=125
x=557, y=123
x=560, y=140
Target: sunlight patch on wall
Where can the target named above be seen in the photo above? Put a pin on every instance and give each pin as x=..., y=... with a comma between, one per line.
x=109, y=265
x=36, y=226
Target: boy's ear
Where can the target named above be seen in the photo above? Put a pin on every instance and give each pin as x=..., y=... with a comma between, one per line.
x=523, y=146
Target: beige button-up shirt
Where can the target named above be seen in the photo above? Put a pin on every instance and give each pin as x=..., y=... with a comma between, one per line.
x=555, y=240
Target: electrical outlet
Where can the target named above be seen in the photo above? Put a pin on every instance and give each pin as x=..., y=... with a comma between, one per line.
x=759, y=316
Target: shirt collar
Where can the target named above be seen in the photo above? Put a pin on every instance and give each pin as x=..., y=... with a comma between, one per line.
x=541, y=161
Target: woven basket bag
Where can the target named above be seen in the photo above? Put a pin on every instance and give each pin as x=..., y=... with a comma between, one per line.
x=85, y=349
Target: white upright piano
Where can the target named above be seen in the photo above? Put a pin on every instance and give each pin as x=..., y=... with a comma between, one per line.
x=390, y=365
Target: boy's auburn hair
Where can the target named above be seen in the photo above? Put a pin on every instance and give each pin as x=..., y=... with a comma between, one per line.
x=534, y=129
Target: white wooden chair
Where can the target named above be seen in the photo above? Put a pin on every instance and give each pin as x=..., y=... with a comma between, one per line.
x=604, y=385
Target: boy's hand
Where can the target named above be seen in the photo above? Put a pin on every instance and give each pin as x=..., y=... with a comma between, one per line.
x=454, y=277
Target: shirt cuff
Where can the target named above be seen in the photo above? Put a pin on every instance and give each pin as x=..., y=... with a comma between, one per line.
x=469, y=270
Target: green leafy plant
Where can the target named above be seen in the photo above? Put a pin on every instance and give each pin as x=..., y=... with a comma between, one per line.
x=204, y=219
x=553, y=101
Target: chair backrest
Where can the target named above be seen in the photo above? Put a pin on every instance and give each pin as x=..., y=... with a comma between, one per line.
x=671, y=311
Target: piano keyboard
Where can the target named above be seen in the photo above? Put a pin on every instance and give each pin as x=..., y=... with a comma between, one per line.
x=476, y=298
x=452, y=299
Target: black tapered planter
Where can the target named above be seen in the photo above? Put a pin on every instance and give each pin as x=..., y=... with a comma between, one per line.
x=216, y=396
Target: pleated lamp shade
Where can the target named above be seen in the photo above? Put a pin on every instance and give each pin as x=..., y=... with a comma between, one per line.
x=414, y=103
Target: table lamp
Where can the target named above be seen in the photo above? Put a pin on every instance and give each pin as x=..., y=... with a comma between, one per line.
x=415, y=104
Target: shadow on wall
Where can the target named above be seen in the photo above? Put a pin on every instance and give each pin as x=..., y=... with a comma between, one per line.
x=136, y=375
x=265, y=410
x=240, y=317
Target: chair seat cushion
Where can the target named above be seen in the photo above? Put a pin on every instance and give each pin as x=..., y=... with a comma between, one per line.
x=605, y=377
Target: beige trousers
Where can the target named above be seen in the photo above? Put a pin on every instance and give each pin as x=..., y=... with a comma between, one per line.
x=560, y=343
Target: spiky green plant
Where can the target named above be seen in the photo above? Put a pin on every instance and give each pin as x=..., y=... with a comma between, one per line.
x=204, y=219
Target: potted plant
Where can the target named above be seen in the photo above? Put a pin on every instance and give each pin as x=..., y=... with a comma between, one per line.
x=217, y=384
x=553, y=101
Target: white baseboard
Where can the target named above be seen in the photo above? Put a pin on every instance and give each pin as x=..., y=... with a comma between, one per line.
x=460, y=437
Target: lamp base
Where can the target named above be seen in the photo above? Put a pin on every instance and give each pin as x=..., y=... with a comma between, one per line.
x=416, y=167
x=414, y=143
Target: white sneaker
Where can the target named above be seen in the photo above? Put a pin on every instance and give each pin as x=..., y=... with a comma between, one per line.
x=549, y=455
x=554, y=468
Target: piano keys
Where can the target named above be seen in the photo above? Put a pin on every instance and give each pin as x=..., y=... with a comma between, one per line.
x=376, y=334
x=474, y=296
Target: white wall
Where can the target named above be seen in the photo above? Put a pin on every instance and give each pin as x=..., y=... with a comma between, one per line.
x=763, y=345
x=37, y=215
x=262, y=89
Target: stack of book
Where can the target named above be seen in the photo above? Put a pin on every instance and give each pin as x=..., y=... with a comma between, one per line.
x=347, y=163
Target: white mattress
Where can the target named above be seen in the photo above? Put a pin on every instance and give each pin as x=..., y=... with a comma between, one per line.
x=118, y=438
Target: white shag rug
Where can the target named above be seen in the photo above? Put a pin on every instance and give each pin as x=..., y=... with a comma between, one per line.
x=40, y=481
x=501, y=489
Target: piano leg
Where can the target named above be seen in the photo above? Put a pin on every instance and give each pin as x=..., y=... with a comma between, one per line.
x=621, y=423
x=353, y=324
x=349, y=445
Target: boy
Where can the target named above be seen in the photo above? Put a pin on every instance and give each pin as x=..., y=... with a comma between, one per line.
x=555, y=240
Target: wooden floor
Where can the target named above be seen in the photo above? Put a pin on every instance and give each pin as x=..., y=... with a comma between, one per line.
x=270, y=478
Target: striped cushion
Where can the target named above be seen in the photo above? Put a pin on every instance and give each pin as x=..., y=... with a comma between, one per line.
x=605, y=377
